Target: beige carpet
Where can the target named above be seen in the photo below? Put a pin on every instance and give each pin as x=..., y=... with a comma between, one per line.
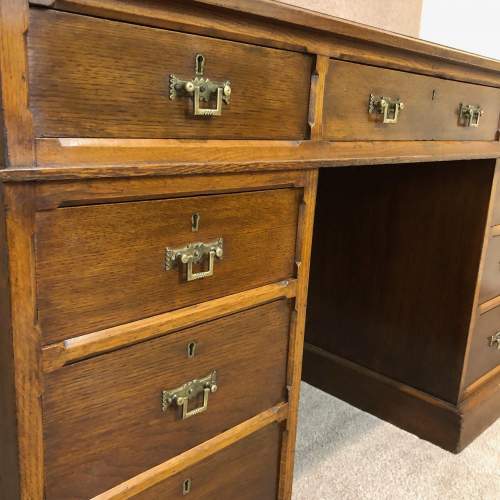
x=344, y=453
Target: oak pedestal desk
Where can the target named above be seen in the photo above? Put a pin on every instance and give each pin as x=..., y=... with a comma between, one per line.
x=176, y=176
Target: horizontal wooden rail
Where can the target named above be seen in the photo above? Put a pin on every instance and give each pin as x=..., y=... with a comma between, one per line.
x=85, y=158
x=57, y=355
x=156, y=475
x=489, y=305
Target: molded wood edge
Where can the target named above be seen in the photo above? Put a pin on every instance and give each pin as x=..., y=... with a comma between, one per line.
x=94, y=158
x=195, y=455
x=55, y=356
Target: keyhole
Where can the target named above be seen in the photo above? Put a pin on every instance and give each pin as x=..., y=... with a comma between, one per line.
x=195, y=222
x=191, y=349
x=200, y=63
x=186, y=486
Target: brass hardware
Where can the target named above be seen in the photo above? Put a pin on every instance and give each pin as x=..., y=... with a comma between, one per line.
x=191, y=349
x=186, y=487
x=194, y=253
x=201, y=89
x=195, y=222
x=469, y=115
x=388, y=107
x=189, y=391
x=494, y=341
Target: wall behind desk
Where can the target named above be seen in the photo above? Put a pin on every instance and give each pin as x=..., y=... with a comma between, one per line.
x=400, y=16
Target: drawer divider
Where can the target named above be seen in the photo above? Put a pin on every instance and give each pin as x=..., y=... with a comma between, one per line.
x=57, y=355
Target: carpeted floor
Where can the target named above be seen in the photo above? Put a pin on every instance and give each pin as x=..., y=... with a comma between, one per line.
x=344, y=453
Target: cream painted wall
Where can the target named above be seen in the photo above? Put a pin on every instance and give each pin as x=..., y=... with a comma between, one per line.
x=401, y=16
x=470, y=25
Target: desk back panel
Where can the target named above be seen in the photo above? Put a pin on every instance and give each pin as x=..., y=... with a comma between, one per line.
x=395, y=259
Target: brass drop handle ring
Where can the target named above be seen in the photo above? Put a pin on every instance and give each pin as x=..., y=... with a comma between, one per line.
x=183, y=395
x=469, y=115
x=388, y=107
x=494, y=341
x=195, y=253
x=201, y=89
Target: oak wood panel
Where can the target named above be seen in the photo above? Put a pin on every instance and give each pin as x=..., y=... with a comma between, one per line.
x=477, y=306
x=402, y=405
x=490, y=280
x=79, y=88
x=55, y=356
x=481, y=408
x=19, y=205
x=392, y=283
x=54, y=194
x=495, y=220
x=294, y=370
x=247, y=470
x=430, y=113
x=193, y=456
x=316, y=105
x=85, y=256
x=9, y=465
x=482, y=356
x=16, y=141
x=103, y=419
x=66, y=159
x=269, y=23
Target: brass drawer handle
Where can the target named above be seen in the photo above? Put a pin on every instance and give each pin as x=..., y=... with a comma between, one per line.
x=194, y=253
x=494, y=341
x=469, y=115
x=388, y=107
x=181, y=396
x=201, y=89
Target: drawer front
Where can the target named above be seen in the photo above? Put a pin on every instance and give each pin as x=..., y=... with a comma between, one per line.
x=484, y=353
x=103, y=265
x=98, y=78
x=490, y=279
x=247, y=470
x=430, y=112
x=105, y=419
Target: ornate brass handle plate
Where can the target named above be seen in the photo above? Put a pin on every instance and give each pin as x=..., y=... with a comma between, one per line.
x=201, y=89
x=195, y=253
x=183, y=395
x=388, y=107
x=494, y=341
x=469, y=115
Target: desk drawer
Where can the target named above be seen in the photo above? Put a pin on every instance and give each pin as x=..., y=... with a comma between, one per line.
x=247, y=470
x=99, y=78
x=104, y=265
x=490, y=280
x=104, y=419
x=430, y=112
x=484, y=353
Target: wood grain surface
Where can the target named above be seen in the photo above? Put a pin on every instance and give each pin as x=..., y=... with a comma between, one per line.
x=430, y=113
x=392, y=283
x=248, y=470
x=482, y=356
x=103, y=419
x=80, y=88
x=104, y=265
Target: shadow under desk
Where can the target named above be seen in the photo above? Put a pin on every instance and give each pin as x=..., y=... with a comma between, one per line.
x=401, y=317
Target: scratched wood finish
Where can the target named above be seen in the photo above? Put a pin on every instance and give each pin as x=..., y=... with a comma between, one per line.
x=248, y=470
x=430, y=113
x=80, y=88
x=103, y=419
x=399, y=269
x=103, y=265
x=482, y=356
